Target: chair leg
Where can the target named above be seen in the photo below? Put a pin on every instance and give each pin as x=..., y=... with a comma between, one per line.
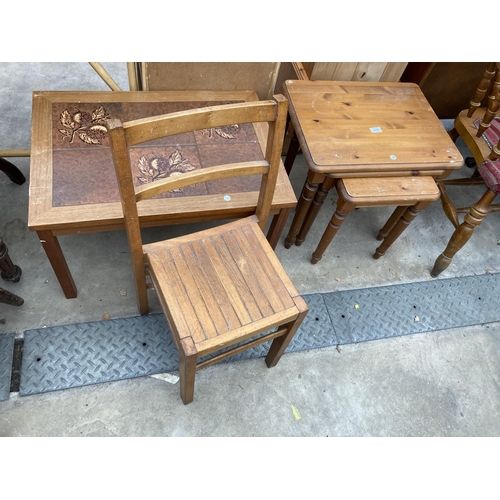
x=8, y=270
x=344, y=208
x=404, y=221
x=463, y=232
x=187, y=369
x=280, y=344
x=12, y=172
x=7, y=297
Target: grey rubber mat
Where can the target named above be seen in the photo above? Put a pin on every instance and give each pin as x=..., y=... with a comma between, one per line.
x=6, y=357
x=90, y=353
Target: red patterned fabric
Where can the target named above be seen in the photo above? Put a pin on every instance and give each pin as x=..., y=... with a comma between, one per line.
x=490, y=170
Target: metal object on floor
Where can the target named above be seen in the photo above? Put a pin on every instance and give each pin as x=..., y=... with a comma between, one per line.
x=391, y=311
x=6, y=357
x=90, y=353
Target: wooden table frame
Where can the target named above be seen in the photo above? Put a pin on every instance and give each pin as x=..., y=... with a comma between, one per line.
x=325, y=141
x=52, y=221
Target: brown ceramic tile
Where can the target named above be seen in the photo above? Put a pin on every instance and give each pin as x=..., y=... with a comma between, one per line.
x=152, y=163
x=136, y=110
x=83, y=177
x=80, y=125
x=219, y=154
x=231, y=133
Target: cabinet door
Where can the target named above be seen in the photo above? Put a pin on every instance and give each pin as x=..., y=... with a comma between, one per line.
x=448, y=86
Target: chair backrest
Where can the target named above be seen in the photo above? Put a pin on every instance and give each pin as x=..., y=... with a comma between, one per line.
x=489, y=85
x=258, y=76
x=124, y=135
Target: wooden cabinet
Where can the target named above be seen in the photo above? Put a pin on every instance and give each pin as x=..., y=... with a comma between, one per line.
x=344, y=71
x=448, y=86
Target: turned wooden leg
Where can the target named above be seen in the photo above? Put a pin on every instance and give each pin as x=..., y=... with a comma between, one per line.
x=404, y=221
x=305, y=200
x=396, y=215
x=280, y=344
x=463, y=232
x=453, y=133
x=12, y=172
x=291, y=154
x=314, y=209
x=7, y=297
x=276, y=226
x=56, y=258
x=8, y=270
x=448, y=207
x=187, y=369
x=344, y=208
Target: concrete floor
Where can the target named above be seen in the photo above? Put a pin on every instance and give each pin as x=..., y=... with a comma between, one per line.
x=442, y=383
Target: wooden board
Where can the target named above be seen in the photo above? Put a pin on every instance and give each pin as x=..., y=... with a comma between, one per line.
x=258, y=76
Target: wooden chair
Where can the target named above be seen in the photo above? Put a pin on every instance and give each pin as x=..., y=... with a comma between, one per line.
x=479, y=127
x=222, y=286
x=9, y=272
x=258, y=76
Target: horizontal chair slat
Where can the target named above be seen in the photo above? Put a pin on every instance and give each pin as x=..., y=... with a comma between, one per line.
x=206, y=174
x=148, y=129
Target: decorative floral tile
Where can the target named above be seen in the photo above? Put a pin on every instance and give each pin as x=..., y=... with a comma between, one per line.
x=81, y=125
x=83, y=171
x=137, y=110
x=155, y=163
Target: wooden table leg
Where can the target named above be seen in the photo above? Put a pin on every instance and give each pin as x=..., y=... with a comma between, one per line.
x=58, y=262
x=313, y=211
x=404, y=221
x=344, y=208
x=396, y=215
x=293, y=149
x=276, y=226
x=310, y=187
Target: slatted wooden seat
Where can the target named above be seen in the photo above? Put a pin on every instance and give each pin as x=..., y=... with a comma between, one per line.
x=223, y=287
x=409, y=194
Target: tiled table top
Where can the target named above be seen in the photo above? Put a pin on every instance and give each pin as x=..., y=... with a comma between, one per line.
x=83, y=171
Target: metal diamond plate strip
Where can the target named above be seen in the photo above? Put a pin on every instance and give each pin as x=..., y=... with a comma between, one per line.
x=389, y=311
x=91, y=353
x=6, y=358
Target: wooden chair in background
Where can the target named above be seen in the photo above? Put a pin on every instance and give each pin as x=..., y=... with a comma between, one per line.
x=258, y=76
x=222, y=286
x=479, y=127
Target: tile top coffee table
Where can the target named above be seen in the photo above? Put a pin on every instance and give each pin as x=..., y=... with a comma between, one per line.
x=364, y=129
x=73, y=188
